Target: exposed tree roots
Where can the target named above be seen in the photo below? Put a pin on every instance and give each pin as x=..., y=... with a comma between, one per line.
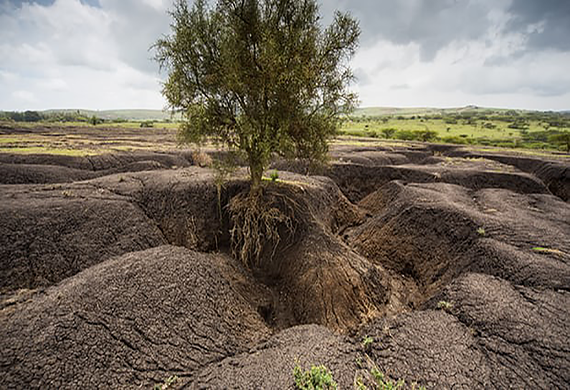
x=259, y=223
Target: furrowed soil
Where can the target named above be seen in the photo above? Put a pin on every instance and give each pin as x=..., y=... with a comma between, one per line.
x=438, y=265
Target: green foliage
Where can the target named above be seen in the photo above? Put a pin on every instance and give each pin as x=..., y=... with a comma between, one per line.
x=388, y=132
x=384, y=383
x=444, y=305
x=481, y=231
x=407, y=135
x=94, y=120
x=317, y=378
x=147, y=124
x=367, y=342
x=168, y=383
x=260, y=76
x=489, y=127
x=562, y=138
x=427, y=135
x=274, y=175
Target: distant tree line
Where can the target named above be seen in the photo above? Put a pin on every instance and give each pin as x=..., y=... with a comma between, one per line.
x=54, y=117
x=35, y=116
x=517, y=120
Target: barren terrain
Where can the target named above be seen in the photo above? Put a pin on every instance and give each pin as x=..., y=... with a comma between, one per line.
x=435, y=264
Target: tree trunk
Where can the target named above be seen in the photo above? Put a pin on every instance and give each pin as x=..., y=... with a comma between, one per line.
x=256, y=171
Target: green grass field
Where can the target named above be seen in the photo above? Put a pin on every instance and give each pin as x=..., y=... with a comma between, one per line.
x=482, y=127
x=468, y=125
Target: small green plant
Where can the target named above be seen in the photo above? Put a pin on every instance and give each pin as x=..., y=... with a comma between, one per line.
x=481, y=231
x=540, y=249
x=367, y=342
x=317, y=378
x=274, y=175
x=359, y=384
x=444, y=305
x=168, y=383
x=385, y=383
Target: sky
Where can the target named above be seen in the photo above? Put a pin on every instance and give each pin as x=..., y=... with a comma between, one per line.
x=94, y=54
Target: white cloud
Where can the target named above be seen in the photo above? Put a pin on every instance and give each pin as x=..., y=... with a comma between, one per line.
x=415, y=53
x=72, y=54
x=25, y=96
x=56, y=84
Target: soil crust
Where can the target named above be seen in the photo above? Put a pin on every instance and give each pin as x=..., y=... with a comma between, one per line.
x=441, y=266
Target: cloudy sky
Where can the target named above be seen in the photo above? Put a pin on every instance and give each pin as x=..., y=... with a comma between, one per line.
x=94, y=54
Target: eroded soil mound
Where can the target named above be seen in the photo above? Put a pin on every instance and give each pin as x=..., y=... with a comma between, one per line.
x=45, y=168
x=129, y=322
x=37, y=174
x=270, y=365
x=454, y=267
x=50, y=233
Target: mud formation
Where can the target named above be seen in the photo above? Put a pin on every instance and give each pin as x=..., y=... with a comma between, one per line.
x=117, y=272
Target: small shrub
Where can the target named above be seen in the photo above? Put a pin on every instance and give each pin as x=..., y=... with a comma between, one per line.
x=317, y=378
x=481, y=231
x=388, y=132
x=274, y=175
x=147, y=124
x=168, y=383
x=445, y=306
x=385, y=383
x=367, y=342
x=406, y=135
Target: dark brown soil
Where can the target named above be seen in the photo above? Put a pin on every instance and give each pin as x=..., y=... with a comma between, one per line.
x=128, y=322
x=456, y=266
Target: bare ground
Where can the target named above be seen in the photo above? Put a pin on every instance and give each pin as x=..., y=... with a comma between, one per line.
x=116, y=272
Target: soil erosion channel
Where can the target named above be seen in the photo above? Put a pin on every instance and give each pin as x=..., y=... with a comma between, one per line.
x=116, y=271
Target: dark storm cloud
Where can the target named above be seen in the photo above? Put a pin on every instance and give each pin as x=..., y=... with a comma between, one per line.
x=547, y=23
x=136, y=26
x=431, y=24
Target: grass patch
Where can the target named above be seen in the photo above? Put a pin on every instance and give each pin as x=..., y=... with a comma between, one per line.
x=487, y=127
x=540, y=249
x=44, y=150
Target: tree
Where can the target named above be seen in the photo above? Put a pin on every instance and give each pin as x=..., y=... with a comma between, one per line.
x=427, y=135
x=259, y=76
x=562, y=138
x=388, y=132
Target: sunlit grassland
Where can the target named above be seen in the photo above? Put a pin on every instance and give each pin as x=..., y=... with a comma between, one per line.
x=443, y=129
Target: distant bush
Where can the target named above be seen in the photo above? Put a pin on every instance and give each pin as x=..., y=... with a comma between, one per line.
x=388, y=132
x=406, y=135
x=562, y=139
x=147, y=124
x=455, y=140
x=372, y=133
x=427, y=135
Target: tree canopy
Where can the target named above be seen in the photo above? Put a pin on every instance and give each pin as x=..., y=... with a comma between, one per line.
x=259, y=76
